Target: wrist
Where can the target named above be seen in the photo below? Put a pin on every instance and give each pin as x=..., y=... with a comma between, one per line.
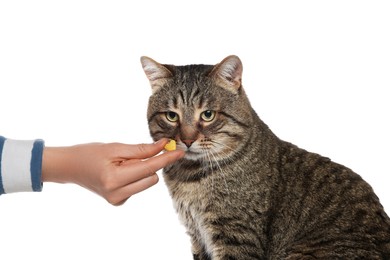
x=54, y=164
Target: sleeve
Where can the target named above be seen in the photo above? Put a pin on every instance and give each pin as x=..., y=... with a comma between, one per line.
x=20, y=165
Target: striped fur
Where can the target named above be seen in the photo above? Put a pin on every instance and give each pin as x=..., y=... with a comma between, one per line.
x=243, y=193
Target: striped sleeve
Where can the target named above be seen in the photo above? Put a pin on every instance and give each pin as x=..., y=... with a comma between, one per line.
x=20, y=165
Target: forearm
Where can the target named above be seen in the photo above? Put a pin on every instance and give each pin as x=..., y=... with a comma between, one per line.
x=74, y=164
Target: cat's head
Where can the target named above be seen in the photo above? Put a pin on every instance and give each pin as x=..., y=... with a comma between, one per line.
x=203, y=107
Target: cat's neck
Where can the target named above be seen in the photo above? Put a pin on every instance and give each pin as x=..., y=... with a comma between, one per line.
x=263, y=144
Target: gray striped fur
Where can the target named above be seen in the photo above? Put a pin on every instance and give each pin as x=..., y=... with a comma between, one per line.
x=241, y=192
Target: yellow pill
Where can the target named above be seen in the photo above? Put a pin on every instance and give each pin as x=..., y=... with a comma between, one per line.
x=171, y=146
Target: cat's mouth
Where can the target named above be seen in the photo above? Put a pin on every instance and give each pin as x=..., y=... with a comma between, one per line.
x=194, y=155
x=192, y=152
x=191, y=155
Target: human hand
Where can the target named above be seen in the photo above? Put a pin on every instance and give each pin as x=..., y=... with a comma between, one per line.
x=115, y=171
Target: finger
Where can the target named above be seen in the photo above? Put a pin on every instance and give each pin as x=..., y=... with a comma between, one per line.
x=142, y=151
x=121, y=195
x=139, y=170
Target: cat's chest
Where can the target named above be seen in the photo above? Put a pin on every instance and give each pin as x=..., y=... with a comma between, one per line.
x=191, y=198
x=195, y=205
x=194, y=200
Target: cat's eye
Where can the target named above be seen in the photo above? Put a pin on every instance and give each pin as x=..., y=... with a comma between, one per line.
x=171, y=116
x=208, y=115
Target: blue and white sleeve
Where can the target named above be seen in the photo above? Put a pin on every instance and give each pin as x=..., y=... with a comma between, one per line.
x=20, y=165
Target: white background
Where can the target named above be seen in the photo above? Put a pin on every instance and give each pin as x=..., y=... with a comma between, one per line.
x=317, y=72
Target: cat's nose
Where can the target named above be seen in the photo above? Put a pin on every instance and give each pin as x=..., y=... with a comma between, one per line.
x=188, y=142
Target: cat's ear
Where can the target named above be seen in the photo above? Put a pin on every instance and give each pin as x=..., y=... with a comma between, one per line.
x=156, y=72
x=228, y=73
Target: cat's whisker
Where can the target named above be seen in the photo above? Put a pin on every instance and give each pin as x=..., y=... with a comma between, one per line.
x=206, y=151
x=228, y=147
x=228, y=160
x=227, y=157
x=221, y=171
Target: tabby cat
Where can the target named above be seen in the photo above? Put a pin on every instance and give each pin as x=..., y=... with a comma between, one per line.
x=241, y=192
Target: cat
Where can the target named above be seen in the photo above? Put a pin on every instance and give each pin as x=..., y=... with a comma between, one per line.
x=243, y=193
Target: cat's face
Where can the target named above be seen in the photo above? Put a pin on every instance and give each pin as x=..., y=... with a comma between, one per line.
x=202, y=107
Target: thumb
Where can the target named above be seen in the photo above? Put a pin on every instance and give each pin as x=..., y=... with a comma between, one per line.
x=143, y=151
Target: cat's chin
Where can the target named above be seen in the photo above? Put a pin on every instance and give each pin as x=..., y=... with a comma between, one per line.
x=201, y=156
x=192, y=156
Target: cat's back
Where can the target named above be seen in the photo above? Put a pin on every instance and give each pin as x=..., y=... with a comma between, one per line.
x=321, y=206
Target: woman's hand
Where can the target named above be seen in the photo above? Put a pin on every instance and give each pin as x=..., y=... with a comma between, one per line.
x=115, y=171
